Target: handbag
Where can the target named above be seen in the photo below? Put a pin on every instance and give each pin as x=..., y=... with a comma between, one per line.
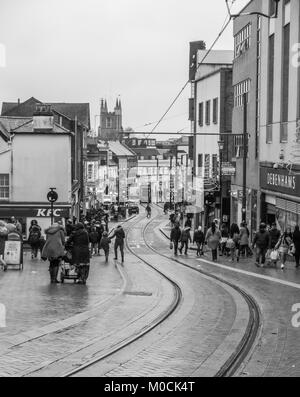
x=171, y=245
x=230, y=244
x=223, y=240
x=292, y=250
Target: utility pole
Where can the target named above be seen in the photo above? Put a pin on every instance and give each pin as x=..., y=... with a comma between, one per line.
x=171, y=182
x=245, y=154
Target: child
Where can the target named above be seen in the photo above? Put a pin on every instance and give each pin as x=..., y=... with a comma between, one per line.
x=93, y=236
x=104, y=244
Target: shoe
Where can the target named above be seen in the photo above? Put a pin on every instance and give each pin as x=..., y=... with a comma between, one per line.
x=237, y=259
x=257, y=264
x=57, y=282
x=115, y=259
x=282, y=266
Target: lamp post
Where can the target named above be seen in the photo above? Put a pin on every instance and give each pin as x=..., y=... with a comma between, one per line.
x=221, y=148
x=245, y=155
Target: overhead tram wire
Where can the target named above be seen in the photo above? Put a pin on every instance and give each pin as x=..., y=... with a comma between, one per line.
x=224, y=27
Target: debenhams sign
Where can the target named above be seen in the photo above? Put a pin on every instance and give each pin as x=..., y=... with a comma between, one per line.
x=280, y=181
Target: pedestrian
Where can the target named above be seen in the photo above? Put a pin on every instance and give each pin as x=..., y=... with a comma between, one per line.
x=104, y=244
x=18, y=225
x=53, y=249
x=3, y=238
x=34, y=238
x=93, y=237
x=243, y=241
x=119, y=234
x=233, y=242
x=175, y=237
x=99, y=230
x=172, y=219
x=165, y=208
x=262, y=242
x=296, y=241
x=283, y=246
x=224, y=237
x=188, y=222
x=274, y=234
x=199, y=240
x=148, y=210
x=185, y=238
x=213, y=237
x=69, y=227
x=79, y=240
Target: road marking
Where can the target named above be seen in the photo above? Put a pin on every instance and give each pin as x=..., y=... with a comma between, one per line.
x=269, y=278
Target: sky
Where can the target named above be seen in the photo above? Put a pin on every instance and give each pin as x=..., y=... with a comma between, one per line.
x=85, y=50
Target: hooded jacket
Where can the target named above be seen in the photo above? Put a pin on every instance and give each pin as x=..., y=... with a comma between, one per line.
x=262, y=239
x=55, y=241
x=198, y=237
x=175, y=233
x=119, y=234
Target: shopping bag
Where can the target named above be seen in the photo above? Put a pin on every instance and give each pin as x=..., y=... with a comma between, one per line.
x=230, y=244
x=274, y=255
x=171, y=245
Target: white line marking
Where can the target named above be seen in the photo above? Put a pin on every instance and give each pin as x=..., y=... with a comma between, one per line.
x=274, y=280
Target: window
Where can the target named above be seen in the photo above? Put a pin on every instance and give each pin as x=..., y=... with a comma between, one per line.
x=239, y=90
x=215, y=110
x=4, y=186
x=200, y=160
x=207, y=113
x=90, y=171
x=214, y=166
x=206, y=166
x=108, y=123
x=238, y=146
x=242, y=41
x=200, y=116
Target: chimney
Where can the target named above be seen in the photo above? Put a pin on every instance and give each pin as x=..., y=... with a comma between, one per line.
x=43, y=119
x=19, y=101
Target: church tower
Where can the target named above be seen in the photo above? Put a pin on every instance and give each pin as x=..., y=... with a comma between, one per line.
x=110, y=122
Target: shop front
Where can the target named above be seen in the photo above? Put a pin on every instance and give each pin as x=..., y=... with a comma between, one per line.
x=25, y=213
x=280, y=200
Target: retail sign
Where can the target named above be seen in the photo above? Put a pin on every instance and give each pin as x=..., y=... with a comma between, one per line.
x=33, y=212
x=280, y=181
x=228, y=169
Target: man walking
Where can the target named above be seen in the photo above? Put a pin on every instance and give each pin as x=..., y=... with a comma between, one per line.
x=175, y=237
x=185, y=238
x=199, y=239
x=262, y=241
x=274, y=235
x=119, y=234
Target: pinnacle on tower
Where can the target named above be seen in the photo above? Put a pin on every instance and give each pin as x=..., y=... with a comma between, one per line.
x=105, y=106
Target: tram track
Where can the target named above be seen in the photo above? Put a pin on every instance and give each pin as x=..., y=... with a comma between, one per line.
x=246, y=345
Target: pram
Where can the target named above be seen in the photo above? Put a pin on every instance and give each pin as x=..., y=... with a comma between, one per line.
x=68, y=270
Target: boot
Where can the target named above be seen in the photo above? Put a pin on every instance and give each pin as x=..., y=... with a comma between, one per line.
x=55, y=273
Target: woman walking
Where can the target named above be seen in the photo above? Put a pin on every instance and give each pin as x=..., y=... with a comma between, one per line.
x=34, y=238
x=79, y=241
x=283, y=246
x=243, y=241
x=53, y=249
x=296, y=241
x=213, y=237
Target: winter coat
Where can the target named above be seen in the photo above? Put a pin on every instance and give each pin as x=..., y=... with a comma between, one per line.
x=296, y=240
x=284, y=243
x=275, y=236
x=188, y=223
x=224, y=232
x=93, y=236
x=198, y=237
x=119, y=234
x=80, y=246
x=186, y=236
x=69, y=229
x=213, y=239
x=34, y=235
x=104, y=243
x=244, y=239
x=175, y=234
x=55, y=241
x=262, y=239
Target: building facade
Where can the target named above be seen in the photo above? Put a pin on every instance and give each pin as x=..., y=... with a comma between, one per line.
x=246, y=80
x=279, y=138
x=110, y=122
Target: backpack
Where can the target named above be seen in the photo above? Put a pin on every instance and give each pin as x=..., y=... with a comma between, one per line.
x=34, y=236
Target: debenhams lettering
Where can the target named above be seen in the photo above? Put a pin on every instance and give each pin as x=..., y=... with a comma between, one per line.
x=286, y=181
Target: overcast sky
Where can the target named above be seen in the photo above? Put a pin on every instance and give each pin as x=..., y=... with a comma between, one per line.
x=84, y=50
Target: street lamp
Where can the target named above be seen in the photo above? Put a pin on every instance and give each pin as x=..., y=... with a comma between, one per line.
x=221, y=148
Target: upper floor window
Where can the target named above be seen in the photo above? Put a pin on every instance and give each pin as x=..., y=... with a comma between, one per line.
x=108, y=122
x=4, y=186
x=207, y=113
x=239, y=90
x=242, y=41
x=200, y=115
x=215, y=110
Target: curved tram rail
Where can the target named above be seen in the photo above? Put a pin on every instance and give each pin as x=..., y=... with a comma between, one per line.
x=155, y=323
x=245, y=346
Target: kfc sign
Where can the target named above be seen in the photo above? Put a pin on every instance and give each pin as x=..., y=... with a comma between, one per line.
x=47, y=212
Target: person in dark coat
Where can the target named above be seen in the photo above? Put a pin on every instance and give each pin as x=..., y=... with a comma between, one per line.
x=188, y=222
x=185, y=238
x=99, y=229
x=199, y=239
x=53, y=249
x=175, y=237
x=3, y=237
x=69, y=227
x=104, y=244
x=119, y=234
x=93, y=237
x=34, y=238
x=296, y=241
x=274, y=235
x=79, y=240
x=262, y=241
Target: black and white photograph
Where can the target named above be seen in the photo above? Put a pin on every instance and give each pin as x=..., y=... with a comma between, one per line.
x=149, y=191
